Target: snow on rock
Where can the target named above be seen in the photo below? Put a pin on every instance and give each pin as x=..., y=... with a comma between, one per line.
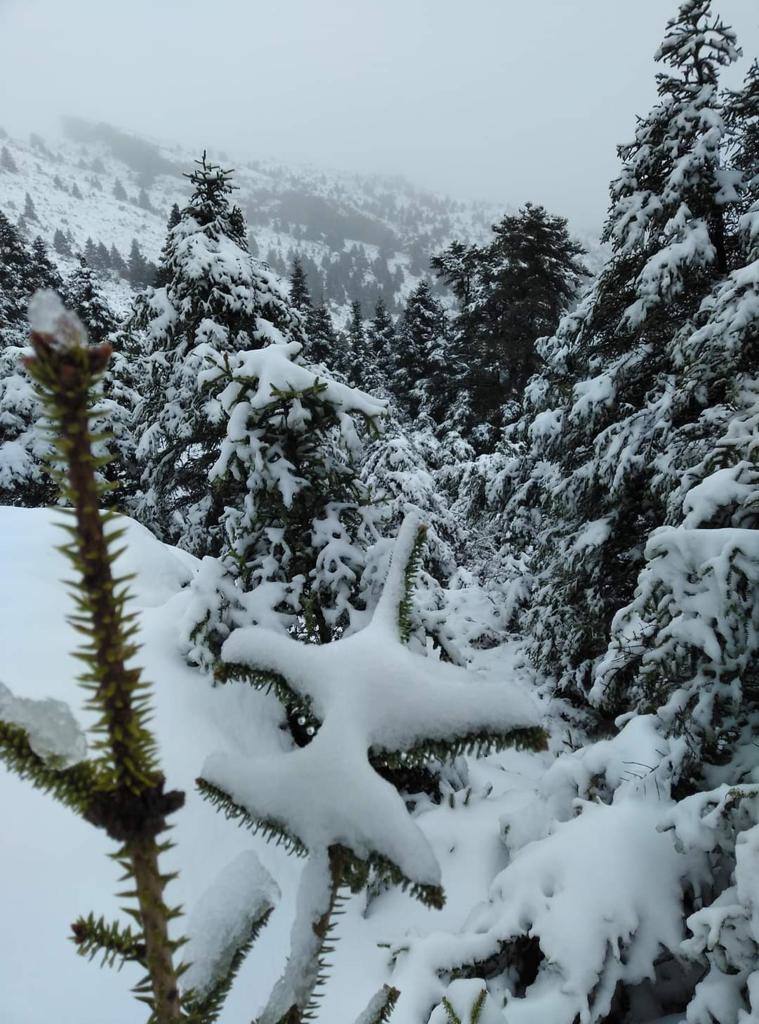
x=223, y=917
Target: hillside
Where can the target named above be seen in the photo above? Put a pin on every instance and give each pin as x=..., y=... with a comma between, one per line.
x=359, y=237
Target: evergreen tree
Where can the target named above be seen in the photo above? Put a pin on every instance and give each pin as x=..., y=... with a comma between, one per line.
x=323, y=344
x=91, y=253
x=119, y=192
x=425, y=376
x=512, y=292
x=61, y=244
x=339, y=731
x=42, y=272
x=30, y=214
x=743, y=124
x=117, y=263
x=24, y=479
x=297, y=520
x=137, y=267
x=76, y=191
x=15, y=265
x=103, y=258
x=7, y=163
x=216, y=301
x=357, y=344
x=299, y=293
x=606, y=401
x=378, y=367
x=82, y=294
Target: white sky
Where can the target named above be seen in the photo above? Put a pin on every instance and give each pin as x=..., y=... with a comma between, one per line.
x=510, y=100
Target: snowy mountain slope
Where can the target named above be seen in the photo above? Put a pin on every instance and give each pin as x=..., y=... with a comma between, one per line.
x=360, y=233
x=359, y=236
x=53, y=867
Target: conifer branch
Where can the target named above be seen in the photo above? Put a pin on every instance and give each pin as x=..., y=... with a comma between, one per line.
x=127, y=798
x=206, y=1008
x=477, y=744
x=273, y=831
x=114, y=941
x=410, y=573
x=72, y=787
x=380, y=1006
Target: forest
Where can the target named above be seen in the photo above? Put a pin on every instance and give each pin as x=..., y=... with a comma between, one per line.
x=406, y=665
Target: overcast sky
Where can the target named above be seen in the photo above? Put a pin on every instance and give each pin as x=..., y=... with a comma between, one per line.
x=507, y=100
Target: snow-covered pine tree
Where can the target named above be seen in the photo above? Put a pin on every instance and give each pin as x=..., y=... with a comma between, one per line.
x=381, y=344
x=24, y=479
x=297, y=521
x=510, y=292
x=426, y=376
x=299, y=293
x=328, y=796
x=603, y=405
x=217, y=301
x=15, y=267
x=61, y=244
x=7, y=163
x=357, y=344
x=323, y=345
x=82, y=293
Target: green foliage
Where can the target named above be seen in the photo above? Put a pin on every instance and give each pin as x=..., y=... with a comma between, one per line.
x=72, y=787
x=121, y=790
x=410, y=572
x=271, y=830
x=114, y=942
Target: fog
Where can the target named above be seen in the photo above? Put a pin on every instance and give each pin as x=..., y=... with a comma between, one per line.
x=508, y=100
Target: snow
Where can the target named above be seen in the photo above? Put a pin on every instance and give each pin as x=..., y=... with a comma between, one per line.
x=222, y=919
x=44, y=886
x=370, y=692
x=48, y=315
x=54, y=734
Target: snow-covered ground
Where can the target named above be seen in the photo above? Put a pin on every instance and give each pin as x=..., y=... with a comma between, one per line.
x=54, y=867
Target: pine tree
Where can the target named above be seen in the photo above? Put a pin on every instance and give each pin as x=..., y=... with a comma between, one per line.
x=91, y=253
x=15, y=265
x=216, y=301
x=103, y=258
x=297, y=520
x=61, y=244
x=7, y=163
x=117, y=263
x=511, y=292
x=76, y=191
x=323, y=344
x=83, y=295
x=42, y=271
x=357, y=344
x=30, y=214
x=119, y=192
x=425, y=377
x=137, y=267
x=299, y=293
x=604, y=406
x=376, y=369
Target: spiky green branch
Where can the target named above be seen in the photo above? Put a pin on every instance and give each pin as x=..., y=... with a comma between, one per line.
x=122, y=788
